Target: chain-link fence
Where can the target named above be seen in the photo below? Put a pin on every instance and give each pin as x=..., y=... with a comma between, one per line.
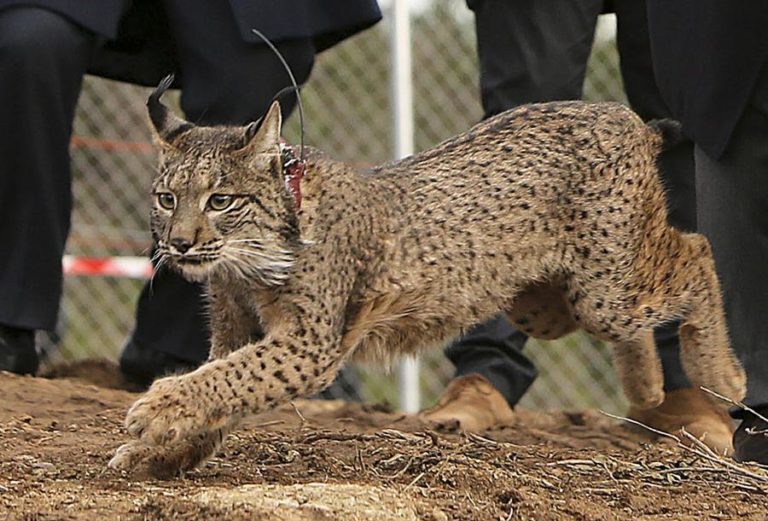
x=347, y=102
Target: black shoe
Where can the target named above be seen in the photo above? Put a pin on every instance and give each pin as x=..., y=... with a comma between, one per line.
x=17, y=350
x=141, y=366
x=750, y=441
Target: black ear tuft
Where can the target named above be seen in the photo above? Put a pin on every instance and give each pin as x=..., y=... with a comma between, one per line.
x=157, y=111
x=167, y=125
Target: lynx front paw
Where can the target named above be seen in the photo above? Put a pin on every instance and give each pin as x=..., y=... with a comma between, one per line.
x=174, y=408
x=136, y=457
x=141, y=459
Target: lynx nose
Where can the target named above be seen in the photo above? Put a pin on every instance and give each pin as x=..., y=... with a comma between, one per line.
x=181, y=244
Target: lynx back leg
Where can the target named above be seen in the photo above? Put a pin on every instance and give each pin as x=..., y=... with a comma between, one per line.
x=639, y=368
x=609, y=316
x=705, y=349
x=708, y=364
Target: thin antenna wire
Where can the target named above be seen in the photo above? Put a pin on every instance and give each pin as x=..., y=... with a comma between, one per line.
x=293, y=81
x=289, y=88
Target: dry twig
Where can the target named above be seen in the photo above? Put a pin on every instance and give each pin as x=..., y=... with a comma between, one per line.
x=740, y=405
x=298, y=413
x=699, y=449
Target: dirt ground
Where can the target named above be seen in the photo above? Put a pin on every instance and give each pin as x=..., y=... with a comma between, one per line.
x=339, y=461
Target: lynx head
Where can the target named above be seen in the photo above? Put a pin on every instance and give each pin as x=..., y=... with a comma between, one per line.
x=220, y=200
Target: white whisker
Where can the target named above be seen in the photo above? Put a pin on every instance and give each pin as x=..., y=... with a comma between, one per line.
x=254, y=253
x=161, y=259
x=270, y=271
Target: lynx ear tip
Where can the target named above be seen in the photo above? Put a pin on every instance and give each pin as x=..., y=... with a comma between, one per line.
x=275, y=109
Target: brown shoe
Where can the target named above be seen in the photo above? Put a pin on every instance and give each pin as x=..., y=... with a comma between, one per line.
x=692, y=410
x=469, y=403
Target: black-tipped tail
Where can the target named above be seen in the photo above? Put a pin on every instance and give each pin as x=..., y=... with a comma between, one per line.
x=670, y=130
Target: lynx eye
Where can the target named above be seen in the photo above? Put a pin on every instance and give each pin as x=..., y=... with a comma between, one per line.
x=219, y=202
x=166, y=200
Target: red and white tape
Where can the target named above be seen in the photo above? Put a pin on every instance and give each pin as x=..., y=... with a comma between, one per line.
x=131, y=267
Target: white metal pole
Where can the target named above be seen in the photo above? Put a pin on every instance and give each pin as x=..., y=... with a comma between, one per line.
x=402, y=127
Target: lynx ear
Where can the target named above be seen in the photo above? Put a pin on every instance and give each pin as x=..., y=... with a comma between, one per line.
x=264, y=134
x=167, y=126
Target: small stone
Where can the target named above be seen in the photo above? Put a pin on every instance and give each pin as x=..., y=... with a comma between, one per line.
x=438, y=515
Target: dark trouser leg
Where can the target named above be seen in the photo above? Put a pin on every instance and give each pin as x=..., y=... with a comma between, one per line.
x=494, y=350
x=527, y=54
x=533, y=50
x=43, y=57
x=732, y=196
x=675, y=165
x=226, y=81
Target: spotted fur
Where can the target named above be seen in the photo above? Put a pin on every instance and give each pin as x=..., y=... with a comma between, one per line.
x=553, y=213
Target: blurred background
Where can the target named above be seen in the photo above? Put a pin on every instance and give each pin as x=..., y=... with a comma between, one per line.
x=348, y=114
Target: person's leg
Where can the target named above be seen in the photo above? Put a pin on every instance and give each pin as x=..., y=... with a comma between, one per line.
x=683, y=406
x=491, y=376
x=43, y=57
x=225, y=81
x=675, y=165
x=732, y=196
x=526, y=55
x=494, y=350
x=533, y=50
